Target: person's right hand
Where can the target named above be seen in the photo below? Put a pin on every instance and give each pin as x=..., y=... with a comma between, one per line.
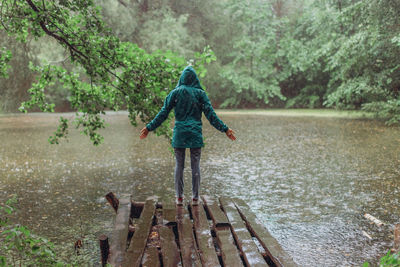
x=143, y=133
x=231, y=134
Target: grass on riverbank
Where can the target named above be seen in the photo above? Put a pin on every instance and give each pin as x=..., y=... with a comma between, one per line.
x=328, y=113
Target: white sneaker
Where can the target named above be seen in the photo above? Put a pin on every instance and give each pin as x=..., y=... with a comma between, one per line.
x=195, y=202
x=179, y=201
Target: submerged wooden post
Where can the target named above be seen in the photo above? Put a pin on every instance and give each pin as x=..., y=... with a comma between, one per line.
x=113, y=200
x=104, y=249
x=396, y=237
x=373, y=219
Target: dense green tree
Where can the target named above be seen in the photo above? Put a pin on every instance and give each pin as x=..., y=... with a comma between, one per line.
x=305, y=48
x=152, y=25
x=209, y=23
x=252, y=75
x=365, y=69
x=343, y=54
x=13, y=63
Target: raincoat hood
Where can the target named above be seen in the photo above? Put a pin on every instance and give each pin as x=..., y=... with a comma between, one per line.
x=189, y=78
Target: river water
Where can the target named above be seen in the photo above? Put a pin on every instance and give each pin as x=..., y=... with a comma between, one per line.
x=310, y=180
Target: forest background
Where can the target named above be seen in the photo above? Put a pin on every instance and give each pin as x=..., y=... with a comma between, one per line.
x=269, y=53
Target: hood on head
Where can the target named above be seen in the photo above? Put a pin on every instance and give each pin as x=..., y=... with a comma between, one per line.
x=189, y=78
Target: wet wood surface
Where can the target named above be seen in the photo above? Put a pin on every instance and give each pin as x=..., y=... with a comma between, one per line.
x=217, y=215
x=217, y=232
x=169, y=248
x=251, y=253
x=169, y=211
x=229, y=251
x=269, y=243
x=120, y=232
x=396, y=241
x=208, y=255
x=138, y=242
x=189, y=254
x=151, y=258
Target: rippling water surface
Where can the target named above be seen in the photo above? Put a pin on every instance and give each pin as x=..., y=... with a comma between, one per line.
x=310, y=180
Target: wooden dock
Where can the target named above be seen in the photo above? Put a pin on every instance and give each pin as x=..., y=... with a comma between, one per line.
x=217, y=232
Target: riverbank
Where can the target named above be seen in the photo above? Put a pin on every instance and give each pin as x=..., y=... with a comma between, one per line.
x=323, y=113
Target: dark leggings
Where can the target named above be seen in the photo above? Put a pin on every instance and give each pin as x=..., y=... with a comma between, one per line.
x=195, y=154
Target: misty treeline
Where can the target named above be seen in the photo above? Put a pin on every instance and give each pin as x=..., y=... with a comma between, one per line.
x=269, y=53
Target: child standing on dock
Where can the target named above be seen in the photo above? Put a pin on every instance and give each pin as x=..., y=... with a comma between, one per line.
x=189, y=101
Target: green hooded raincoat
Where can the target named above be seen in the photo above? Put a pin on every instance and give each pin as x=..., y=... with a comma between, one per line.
x=189, y=101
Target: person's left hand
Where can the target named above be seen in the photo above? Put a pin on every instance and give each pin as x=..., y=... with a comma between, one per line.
x=143, y=133
x=231, y=134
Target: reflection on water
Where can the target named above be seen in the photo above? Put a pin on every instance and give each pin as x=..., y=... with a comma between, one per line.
x=310, y=180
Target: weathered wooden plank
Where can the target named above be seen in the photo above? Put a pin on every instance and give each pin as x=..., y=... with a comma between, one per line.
x=120, y=232
x=208, y=255
x=189, y=255
x=396, y=241
x=151, y=258
x=169, y=211
x=138, y=242
x=269, y=243
x=217, y=215
x=229, y=251
x=251, y=254
x=169, y=249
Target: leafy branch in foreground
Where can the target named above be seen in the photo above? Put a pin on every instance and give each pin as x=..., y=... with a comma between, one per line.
x=389, y=260
x=19, y=246
x=5, y=57
x=107, y=74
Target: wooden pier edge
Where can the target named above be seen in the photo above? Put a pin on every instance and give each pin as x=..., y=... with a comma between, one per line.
x=139, y=224
x=119, y=237
x=396, y=241
x=138, y=242
x=269, y=243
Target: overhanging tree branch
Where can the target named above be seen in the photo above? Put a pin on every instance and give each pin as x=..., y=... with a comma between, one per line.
x=118, y=74
x=122, y=3
x=52, y=34
x=73, y=48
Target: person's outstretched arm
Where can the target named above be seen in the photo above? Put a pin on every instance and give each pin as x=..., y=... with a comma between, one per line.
x=161, y=116
x=213, y=118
